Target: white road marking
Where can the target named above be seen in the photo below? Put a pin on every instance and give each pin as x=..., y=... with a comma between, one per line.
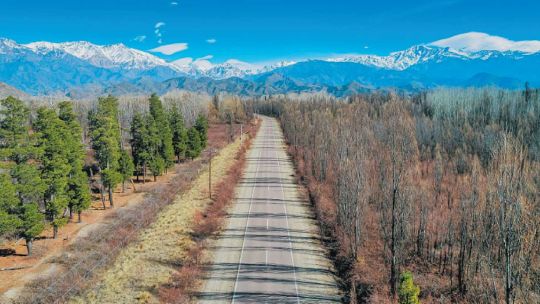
x=288, y=231
x=245, y=230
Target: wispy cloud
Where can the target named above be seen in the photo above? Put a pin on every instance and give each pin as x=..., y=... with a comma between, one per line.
x=157, y=31
x=140, y=38
x=170, y=49
x=211, y=40
x=474, y=41
x=174, y=3
x=207, y=57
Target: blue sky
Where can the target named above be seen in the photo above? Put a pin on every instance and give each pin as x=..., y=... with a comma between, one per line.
x=266, y=30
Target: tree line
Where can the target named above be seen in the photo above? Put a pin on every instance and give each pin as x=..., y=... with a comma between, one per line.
x=443, y=183
x=45, y=171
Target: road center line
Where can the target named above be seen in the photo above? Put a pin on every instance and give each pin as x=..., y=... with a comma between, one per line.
x=247, y=225
x=287, y=221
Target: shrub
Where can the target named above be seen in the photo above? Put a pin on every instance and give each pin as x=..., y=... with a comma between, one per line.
x=408, y=292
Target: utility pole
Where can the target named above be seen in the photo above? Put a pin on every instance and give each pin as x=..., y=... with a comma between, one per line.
x=211, y=154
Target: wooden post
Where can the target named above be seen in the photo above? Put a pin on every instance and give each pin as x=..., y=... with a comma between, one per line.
x=210, y=177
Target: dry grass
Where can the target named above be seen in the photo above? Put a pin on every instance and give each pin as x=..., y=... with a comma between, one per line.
x=150, y=260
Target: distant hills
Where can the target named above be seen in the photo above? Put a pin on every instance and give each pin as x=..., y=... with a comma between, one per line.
x=82, y=69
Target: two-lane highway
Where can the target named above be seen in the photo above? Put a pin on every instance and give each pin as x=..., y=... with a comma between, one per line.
x=270, y=250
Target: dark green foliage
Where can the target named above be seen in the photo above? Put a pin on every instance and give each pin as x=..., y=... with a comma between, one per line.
x=14, y=122
x=78, y=189
x=105, y=132
x=106, y=141
x=408, y=292
x=166, y=149
x=27, y=180
x=201, y=124
x=194, y=143
x=179, y=132
x=140, y=142
x=126, y=167
x=9, y=203
x=31, y=224
x=55, y=166
x=157, y=166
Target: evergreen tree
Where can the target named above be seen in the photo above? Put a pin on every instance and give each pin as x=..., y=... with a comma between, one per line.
x=14, y=122
x=194, y=143
x=9, y=203
x=139, y=144
x=105, y=135
x=55, y=166
x=408, y=292
x=201, y=124
x=31, y=224
x=126, y=168
x=156, y=163
x=15, y=140
x=166, y=149
x=79, y=191
x=179, y=132
x=28, y=183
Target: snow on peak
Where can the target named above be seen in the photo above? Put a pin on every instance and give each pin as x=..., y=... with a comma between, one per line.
x=107, y=56
x=475, y=42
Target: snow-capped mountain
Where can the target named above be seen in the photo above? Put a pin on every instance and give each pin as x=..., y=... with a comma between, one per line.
x=419, y=54
x=471, y=59
x=107, y=56
x=202, y=67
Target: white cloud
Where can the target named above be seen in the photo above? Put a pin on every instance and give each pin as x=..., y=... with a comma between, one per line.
x=157, y=31
x=174, y=3
x=474, y=41
x=207, y=57
x=170, y=49
x=366, y=47
x=140, y=38
x=211, y=40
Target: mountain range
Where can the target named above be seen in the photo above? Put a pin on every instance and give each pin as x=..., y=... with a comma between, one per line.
x=82, y=69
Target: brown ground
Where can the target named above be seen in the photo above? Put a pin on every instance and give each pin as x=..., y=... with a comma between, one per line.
x=46, y=247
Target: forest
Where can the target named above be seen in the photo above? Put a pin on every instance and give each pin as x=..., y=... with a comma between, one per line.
x=55, y=157
x=430, y=197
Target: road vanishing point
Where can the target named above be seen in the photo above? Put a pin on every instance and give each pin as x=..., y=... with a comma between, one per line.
x=270, y=250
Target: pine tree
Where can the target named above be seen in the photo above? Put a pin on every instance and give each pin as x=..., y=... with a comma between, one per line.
x=9, y=203
x=139, y=144
x=55, y=166
x=194, y=143
x=105, y=135
x=201, y=124
x=14, y=124
x=408, y=292
x=126, y=168
x=156, y=163
x=15, y=140
x=31, y=224
x=166, y=149
x=179, y=132
x=78, y=189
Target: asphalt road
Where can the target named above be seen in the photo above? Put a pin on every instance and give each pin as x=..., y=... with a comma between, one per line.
x=270, y=251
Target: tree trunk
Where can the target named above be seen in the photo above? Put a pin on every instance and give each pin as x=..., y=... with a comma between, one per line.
x=102, y=196
x=123, y=186
x=29, y=246
x=55, y=232
x=393, y=266
x=111, y=197
x=144, y=174
x=79, y=220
